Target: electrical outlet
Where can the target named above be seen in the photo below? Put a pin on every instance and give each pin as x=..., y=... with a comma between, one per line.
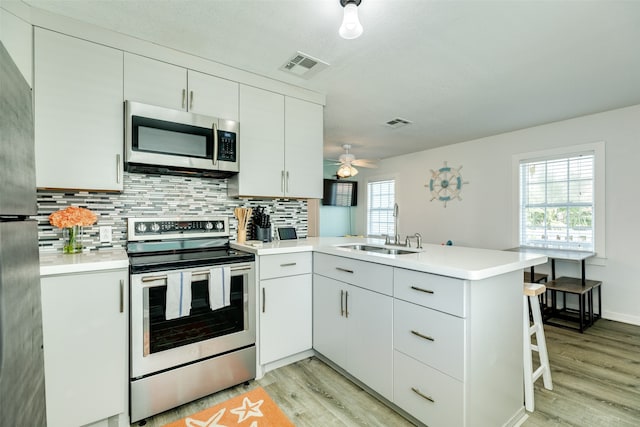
x=105, y=234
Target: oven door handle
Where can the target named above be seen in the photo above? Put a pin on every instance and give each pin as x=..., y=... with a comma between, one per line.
x=163, y=277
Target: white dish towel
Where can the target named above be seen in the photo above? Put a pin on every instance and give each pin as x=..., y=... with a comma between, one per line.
x=178, y=295
x=219, y=287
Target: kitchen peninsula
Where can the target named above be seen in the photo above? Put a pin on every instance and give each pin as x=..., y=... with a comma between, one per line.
x=435, y=333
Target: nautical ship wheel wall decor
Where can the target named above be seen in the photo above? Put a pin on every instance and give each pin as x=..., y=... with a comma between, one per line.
x=446, y=184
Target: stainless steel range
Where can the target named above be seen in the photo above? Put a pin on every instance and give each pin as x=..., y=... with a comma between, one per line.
x=192, y=312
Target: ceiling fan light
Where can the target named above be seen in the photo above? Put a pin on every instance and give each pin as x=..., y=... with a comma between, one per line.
x=351, y=27
x=346, y=171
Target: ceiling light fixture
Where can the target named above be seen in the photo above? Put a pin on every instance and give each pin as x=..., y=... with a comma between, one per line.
x=346, y=170
x=351, y=27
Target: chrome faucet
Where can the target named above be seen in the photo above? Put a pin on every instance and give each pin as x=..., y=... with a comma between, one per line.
x=418, y=238
x=395, y=215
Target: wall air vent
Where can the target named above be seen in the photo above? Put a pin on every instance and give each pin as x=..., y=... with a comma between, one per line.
x=303, y=65
x=397, y=123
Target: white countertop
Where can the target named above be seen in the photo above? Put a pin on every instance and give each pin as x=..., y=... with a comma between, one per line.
x=564, y=254
x=54, y=263
x=453, y=261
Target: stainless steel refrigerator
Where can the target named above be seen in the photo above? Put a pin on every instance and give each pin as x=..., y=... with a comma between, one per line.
x=22, y=398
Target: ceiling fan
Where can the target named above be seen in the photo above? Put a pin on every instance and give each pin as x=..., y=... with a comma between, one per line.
x=347, y=161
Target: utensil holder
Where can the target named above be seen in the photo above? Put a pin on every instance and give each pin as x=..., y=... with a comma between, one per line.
x=242, y=235
x=263, y=234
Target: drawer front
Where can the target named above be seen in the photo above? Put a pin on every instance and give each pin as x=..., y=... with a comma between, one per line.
x=438, y=292
x=429, y=395
x=432, y=337
x=282, y=265
x=368, y=275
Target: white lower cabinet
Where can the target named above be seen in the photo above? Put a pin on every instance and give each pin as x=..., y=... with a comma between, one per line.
x=352, y=326
x=432, y=397
x=436, y=338
x=458, y=349
x=285, y=305
x=419, y=341
x=85, y=323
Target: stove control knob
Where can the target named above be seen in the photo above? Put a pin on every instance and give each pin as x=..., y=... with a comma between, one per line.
x=141, y=227
x=208, y=226
x=219, y=225
x=155, y=227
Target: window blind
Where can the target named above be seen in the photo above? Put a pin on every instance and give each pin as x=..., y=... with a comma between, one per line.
x=381, y=199
x=557, y=202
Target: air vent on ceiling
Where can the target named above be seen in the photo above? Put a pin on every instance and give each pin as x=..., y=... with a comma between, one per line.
x=397, y=123
x=303, y=65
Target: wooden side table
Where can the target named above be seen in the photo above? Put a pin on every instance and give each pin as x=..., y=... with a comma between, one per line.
x=586, y=315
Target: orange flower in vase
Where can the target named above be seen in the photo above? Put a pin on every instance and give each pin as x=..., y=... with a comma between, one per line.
x=71, y=220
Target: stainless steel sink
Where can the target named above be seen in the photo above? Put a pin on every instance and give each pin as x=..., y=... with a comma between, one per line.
x=379, y=249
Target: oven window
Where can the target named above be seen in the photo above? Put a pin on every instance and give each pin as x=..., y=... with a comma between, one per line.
x=201, y=324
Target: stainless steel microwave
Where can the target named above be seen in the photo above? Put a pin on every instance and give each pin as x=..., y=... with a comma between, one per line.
x=166, y=141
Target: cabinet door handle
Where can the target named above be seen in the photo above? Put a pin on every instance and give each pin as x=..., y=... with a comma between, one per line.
x=289, y=264
x=191, y=100
x=264, y=300
x=287, y=183
x=118, y=173
x=346, y=304
x=121, y=296
x=341, y=303
x=344, y=269
x=424, y=396
x=282, y=181
x=426, y=291
x=426, y=337
x=184, y=95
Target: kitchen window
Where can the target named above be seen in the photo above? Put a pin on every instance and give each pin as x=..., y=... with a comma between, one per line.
x=559, y=202
x=380, y=202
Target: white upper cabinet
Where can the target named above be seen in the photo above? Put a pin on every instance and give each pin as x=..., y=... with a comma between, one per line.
x=303, y=148
x=154, y=82
x=280, y=146
x=158, y=83
x=261, y=144
x=78, y=113
x=212, y=96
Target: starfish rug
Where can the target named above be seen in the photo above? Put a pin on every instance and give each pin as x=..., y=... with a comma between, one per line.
x=251, y=409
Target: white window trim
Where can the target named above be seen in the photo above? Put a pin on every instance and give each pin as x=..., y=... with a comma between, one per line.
x=366, y=200
x=598, y=148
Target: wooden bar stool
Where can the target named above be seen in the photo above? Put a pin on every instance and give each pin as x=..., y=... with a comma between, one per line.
x=530, y=299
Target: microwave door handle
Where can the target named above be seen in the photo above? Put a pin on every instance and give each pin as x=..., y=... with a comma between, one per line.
x=215, y=143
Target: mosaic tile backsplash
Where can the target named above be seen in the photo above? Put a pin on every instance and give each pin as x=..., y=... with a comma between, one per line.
x=158, y=196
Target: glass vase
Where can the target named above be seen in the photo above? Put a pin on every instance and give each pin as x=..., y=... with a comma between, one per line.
x=72, y=238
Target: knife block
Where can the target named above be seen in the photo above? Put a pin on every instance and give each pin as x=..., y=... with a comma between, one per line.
x=263, y=234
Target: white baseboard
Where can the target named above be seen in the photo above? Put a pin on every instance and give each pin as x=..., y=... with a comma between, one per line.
x=621, y=317
x=263, y=369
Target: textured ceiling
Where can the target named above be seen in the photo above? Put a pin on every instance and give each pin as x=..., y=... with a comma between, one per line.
x=458, y=70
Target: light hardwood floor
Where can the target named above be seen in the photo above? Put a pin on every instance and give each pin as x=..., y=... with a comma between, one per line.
x=596, y=379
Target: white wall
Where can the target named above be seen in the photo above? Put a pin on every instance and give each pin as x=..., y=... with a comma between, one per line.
x=486, y=217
